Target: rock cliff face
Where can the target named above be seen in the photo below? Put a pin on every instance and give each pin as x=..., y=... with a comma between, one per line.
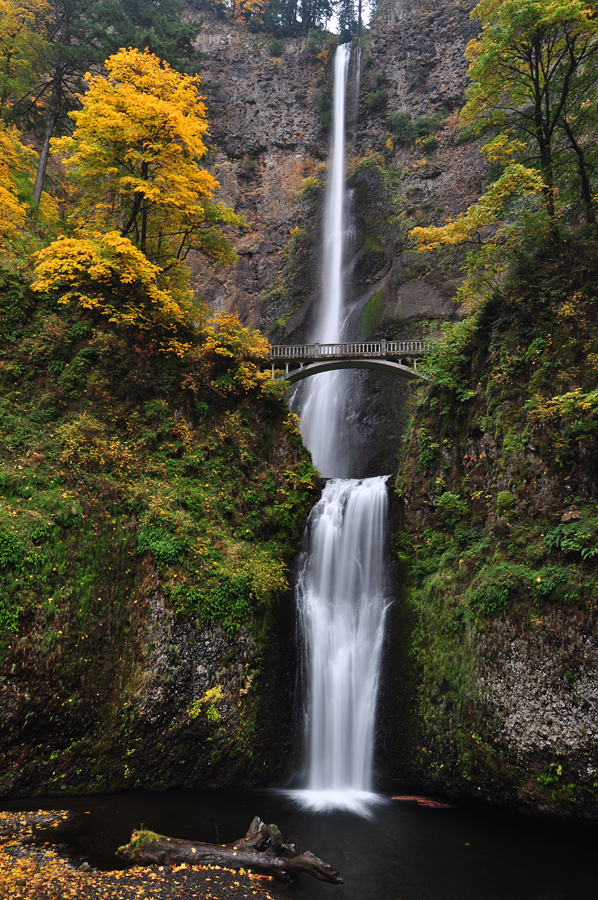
x=490, y=685
x=414, y=65
x=541, y=689
x=269, y=119
x=265, y=137
x=150, y=507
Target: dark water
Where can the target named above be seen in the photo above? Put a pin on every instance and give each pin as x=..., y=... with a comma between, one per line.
x=403, y=852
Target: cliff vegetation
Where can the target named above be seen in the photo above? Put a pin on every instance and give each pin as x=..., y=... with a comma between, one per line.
x=154, y=485
x=500, y=536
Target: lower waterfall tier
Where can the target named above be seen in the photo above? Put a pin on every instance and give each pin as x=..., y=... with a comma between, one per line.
x=343, y=599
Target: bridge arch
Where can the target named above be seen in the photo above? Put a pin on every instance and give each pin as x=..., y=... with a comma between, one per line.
x=302, y=360
x=329, y=365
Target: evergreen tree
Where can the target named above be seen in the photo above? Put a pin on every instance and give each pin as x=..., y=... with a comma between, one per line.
x=347, y=13
x=288, y=16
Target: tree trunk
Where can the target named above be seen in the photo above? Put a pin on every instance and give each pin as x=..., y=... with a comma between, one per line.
x=586, y=190
x=262, y=850
x=543, y=134
x=50, y=125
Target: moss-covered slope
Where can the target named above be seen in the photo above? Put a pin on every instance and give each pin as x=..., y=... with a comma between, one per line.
x=149, y=509
x=500, y=546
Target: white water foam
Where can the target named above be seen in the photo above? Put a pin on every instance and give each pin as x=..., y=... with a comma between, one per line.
x=359, y=802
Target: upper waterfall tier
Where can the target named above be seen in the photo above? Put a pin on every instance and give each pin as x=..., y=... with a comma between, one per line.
x=323, y=402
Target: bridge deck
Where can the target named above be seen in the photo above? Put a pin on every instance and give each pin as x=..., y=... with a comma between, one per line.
x=302, y=360
x=369, y=349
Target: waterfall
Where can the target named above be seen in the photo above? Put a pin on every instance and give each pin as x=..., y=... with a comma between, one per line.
x=341, y=585
x=342, y=602
x=323, y=400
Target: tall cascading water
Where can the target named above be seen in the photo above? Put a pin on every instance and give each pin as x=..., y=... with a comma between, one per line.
x=323, y=400
x=342, y=596
x=341, y=587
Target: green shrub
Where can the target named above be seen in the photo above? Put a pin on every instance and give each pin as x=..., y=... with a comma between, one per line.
x=309, y=184
x=164, y=547
x=40, y=535
x=548, y=579
x=316, y=40
x=451, y=508
x=12, y=301
x=551, y=775
x=575, y=537
x=427, y=144
x=276, y=47
x=232, y=601
x=324, y=108
x=401, y=126
x=9, y=617
x=377, y=100
x=497, y=585
x=505, y=501
x=421, y=568
x=448, y=362
x=428, y=448
x=491, y=598
x=11, y=551
x=405, y=128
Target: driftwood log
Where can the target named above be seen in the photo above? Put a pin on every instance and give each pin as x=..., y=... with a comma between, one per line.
x=261, y=850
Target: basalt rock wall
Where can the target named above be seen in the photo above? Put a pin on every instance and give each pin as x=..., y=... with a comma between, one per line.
x=270, y=141
x=266, y=138
x=269, y=123
x=491, y=675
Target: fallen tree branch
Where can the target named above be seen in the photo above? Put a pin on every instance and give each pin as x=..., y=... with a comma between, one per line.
x=261, y=850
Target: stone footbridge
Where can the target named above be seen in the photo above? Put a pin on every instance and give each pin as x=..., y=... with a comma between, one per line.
x=296, y=361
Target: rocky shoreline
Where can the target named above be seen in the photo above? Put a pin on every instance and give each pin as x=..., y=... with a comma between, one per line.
x=35, y=869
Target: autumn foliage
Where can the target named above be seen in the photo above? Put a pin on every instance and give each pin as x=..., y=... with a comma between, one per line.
x=143, y=202
x=15, y=160
x=135, y=154
x=534, y=73
x=227, y=358
x=107, y=275
x=22, y=48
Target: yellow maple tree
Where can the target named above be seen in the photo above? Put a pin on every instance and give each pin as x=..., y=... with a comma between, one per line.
x=144, y=202
x=110, y=277
x=228, y=357
x=495, y=227
x=135, y=153
x=22, y=48
x=244, y=10
x=15, y=160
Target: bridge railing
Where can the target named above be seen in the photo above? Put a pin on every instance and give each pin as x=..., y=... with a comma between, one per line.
x=352, y=348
